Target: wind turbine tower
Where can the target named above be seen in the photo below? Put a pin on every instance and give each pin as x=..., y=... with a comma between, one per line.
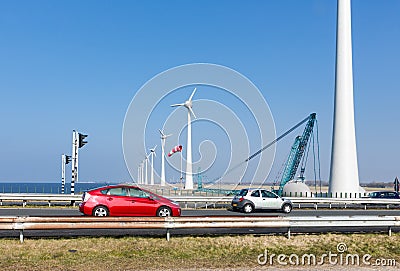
x=189, y=176
x=138, y=175
x=163, y=138
x=152, y=154
x=344, y=167
x=146, y=159
x=141, y=172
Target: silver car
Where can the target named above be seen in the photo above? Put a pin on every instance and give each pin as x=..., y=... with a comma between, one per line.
x=249, y=200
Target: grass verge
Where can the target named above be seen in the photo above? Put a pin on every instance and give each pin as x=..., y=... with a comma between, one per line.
x=183, y=253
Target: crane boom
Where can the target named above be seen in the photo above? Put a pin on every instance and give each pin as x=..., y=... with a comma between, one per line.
x=294, y=157
x=296, y=153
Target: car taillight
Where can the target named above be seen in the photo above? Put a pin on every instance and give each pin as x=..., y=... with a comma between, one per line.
x=241, y=199
x=85, y=197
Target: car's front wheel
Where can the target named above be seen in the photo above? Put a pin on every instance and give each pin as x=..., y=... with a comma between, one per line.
x=164, y=211
x=101, y=211
x=248, y=208
x=286, y=208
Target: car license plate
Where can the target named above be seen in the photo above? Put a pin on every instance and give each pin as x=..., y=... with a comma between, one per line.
x=234, y=204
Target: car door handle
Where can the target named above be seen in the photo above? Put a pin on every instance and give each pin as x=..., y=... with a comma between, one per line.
x=110, y=199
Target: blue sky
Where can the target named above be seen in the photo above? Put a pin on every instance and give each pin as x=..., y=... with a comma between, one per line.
x=68, y=65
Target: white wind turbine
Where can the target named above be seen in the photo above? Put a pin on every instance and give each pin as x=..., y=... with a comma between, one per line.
x=152, y=154
x=163, y=137
x=189, y=176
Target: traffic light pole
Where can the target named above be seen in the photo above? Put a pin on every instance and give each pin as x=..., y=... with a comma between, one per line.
x=65, y=159
x=63, y=162
x=74, y=161
x=78, y=141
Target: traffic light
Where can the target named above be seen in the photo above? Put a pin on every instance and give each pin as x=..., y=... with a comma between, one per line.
x=67, y=159
x=396, y=185
x=81, y=141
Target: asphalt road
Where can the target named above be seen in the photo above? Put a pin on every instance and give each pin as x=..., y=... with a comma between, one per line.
x=180, y=232
x=209, y=212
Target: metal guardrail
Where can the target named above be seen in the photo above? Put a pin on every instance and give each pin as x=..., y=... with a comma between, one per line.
x=206, y=201
x=297, y=201
x=49, y=198
x=343, y=201
x=67, y=223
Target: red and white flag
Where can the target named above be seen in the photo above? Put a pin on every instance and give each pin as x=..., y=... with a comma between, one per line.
x=174, y=150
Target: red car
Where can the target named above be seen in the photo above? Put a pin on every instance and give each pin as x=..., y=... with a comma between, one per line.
x=126, y=200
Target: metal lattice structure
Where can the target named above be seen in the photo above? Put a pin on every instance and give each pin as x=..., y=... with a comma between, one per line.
x=296, y=154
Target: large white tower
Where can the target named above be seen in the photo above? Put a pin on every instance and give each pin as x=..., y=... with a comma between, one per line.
x=344, y=167
x=189, y=176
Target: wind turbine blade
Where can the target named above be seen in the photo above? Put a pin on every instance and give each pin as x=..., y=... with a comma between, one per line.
x=191, y=111
x=161, y=132
x=191, y=96
x=175, y=105
x=168, y=135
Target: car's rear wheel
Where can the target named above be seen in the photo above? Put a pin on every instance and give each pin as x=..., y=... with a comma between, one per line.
x=286, y=208
x=248, y=208
x=101, y=211
x=164, y=211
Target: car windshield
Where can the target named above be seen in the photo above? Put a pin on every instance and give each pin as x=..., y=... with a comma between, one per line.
x=154, y=196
